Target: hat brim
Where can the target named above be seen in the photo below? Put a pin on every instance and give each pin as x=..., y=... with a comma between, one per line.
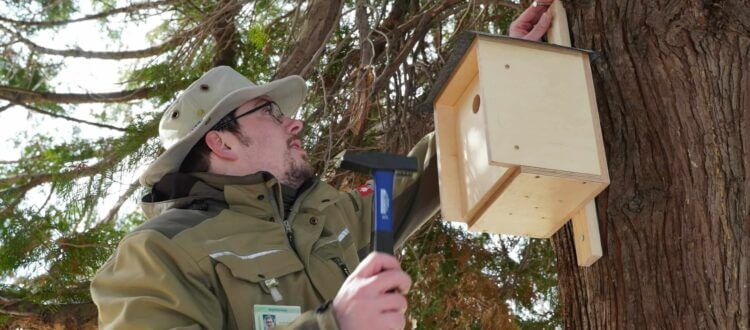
x=288, y=93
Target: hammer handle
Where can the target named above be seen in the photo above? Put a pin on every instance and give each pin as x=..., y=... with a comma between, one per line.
x=384, y=242
x=383, y=212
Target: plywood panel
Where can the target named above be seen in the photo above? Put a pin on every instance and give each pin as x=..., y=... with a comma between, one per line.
x=464, y=73
x=595, y=122
x=478, y=175
x=535, y=205
x=586, y=235
x=451, y=187
x=538, y=107
x=558, y=31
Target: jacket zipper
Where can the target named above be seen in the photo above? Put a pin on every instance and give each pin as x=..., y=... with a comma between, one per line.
x=278, y=201
x=289, y=234
x=341, y=265
x=292, y=213
x=287, y=225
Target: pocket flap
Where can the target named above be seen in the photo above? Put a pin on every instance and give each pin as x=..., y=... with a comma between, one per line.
x=328, y=250
x=333, y=246
x=261, y=265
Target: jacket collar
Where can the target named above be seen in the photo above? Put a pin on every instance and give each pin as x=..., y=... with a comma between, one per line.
x=257, y=194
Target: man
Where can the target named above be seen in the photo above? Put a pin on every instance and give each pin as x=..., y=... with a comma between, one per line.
x=239, y=222
x=239, y=225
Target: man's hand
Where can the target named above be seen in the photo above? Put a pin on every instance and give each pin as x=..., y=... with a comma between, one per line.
x=367, y=299
x=533, y=22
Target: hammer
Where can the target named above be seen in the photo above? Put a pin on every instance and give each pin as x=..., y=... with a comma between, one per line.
x=383, y=167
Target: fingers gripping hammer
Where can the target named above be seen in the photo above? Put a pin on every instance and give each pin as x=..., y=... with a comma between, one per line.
x=383, y=167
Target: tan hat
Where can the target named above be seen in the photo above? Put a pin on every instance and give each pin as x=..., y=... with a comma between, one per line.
x=204, y=103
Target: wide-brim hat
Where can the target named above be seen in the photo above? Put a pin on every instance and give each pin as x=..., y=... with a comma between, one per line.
x=204, y=103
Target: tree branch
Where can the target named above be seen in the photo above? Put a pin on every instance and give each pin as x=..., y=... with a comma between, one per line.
x=280, y=18
x=501, y=3
x=120, y=201
x=141, y=53
x=360, y=105
x=19, y=95
x=425, y=22
x=128, y=9
x=16, y=313
x=393, y=25
x=32, y=180
x=365, y=44
x=225, y=33
x=52, y=114
x=30, y=315
x=38, y=179
x=6, y=107
x=81, y=245
x=322, y=18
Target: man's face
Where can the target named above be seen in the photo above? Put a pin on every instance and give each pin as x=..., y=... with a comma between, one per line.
x=268, y=145
x=269, y=323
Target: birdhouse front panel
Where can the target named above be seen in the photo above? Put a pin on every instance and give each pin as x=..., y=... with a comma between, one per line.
x=541, y=106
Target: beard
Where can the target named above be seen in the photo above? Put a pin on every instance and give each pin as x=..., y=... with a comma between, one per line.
x=297, y=172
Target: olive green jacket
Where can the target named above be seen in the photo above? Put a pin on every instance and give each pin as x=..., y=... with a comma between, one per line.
x=215, y=246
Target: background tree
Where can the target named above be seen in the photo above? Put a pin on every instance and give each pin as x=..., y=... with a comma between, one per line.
x=368, y=65
x=673, y=89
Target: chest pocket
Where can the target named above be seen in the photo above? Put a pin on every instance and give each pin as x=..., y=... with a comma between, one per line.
x=337, y=256
x=269, y=277
x=338, y=245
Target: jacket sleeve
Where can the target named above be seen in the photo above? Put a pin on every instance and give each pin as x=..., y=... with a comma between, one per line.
x=361, y=228
x=151, y=283
x=417, y=197
x=321, y=319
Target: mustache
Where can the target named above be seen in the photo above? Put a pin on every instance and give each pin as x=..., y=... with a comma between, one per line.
x=292, y=139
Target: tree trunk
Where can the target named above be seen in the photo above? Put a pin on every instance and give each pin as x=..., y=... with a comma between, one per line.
x=673, y=89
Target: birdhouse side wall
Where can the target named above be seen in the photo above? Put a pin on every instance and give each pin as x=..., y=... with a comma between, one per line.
x=449, y=175
x=478, y=175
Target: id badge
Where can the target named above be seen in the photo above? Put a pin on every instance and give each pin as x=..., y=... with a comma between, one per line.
x=269, y=316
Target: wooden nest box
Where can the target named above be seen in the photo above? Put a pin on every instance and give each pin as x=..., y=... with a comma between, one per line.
x=520, y=147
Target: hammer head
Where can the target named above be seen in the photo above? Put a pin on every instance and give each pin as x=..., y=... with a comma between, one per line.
x=365, y=162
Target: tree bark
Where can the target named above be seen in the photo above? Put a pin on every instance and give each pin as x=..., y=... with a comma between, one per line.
x=673, y=90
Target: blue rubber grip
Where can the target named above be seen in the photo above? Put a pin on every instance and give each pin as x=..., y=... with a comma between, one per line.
x=383, y=210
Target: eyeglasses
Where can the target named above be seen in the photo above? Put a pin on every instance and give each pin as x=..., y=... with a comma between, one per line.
x=270, y=107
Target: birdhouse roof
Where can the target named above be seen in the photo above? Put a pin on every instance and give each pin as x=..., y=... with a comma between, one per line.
x=462, y=45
